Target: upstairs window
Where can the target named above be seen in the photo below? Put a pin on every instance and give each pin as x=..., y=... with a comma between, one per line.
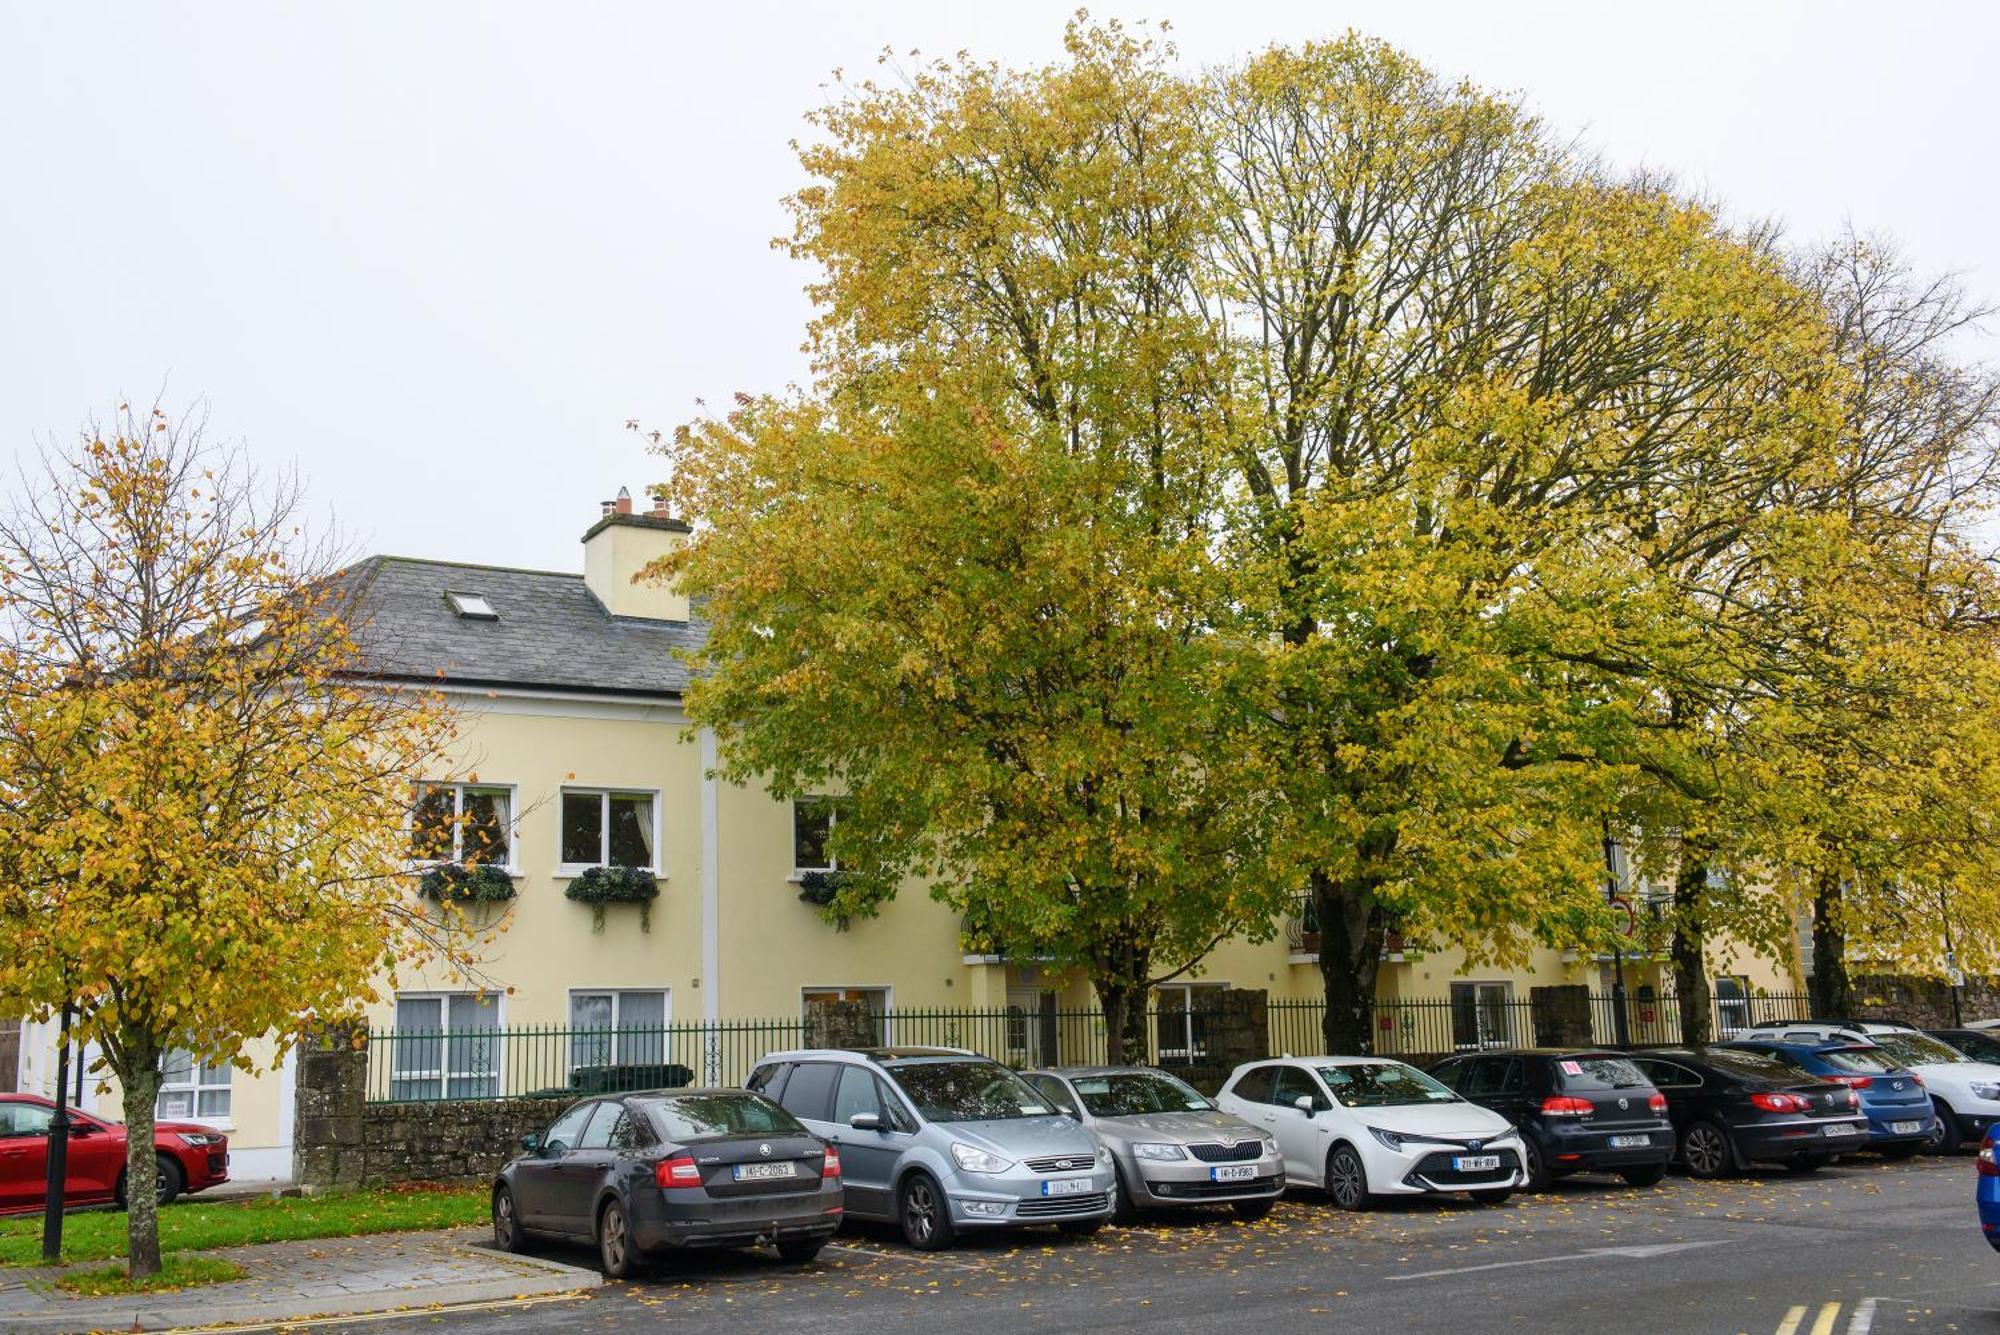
x=608, y=828
x=813, y=821
x=464, y=823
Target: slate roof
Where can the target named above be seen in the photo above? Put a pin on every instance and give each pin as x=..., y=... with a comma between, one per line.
x=552, y=632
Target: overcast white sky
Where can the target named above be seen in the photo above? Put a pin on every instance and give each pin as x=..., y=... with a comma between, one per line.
x=436, y=254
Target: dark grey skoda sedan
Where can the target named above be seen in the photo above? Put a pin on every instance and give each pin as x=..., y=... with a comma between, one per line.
x=637, y=1174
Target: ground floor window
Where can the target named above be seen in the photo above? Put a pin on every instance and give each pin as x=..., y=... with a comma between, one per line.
x=446, y=1046
x=621, y=1028
x=1732, y=1005
x=1481, y=1016
x=191, y=1088
x=1181, y=1020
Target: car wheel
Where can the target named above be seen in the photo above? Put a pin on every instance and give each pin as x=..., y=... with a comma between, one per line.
x=506, y=1225
x=799, y=1251
x=1537, y=1171
x=924, y=1213
x=1947, y=1138
x=1122, y=1210
x=1707, y=1152
x=1492, y=1196
x=617, y=1255
x=1347, y=1179
x=1903, y=1151
x=1643, y=1177
x=168, y=1181
x=1249, y=1212
x=1079, y=1228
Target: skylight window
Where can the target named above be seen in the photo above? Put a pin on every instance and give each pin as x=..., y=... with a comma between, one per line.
x=472, y=606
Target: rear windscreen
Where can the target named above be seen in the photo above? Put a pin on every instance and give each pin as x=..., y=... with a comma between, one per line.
x=708, y=1116
x=1856, y=1061
x=1584, y=1074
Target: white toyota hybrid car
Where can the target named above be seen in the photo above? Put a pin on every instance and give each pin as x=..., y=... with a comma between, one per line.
x=1966, y=1093
x=1362, y=1127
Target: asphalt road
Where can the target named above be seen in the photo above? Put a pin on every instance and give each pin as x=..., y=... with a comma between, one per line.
x=1859, y=1247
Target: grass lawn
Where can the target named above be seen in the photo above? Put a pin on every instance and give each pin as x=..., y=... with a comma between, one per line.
x=177, y=1271
x=99, y=1235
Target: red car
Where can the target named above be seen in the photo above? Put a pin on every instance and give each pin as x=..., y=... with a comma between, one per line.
x=192, y=1157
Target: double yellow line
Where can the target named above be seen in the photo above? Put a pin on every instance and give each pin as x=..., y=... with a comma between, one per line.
x=1828, y=1317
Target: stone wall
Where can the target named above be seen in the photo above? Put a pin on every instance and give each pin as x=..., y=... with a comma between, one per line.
x=1925, y=1002
x=331, y=1098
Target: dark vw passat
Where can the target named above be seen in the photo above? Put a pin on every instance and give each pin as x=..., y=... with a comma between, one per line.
x=1732, y=1108
x=1578, y=1111
x=643, y=1173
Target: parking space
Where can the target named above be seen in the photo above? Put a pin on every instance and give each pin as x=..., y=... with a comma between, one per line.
x=1858, y=1247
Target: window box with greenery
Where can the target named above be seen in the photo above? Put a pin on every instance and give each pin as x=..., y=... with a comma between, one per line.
x=456, y=883
x=602, y=886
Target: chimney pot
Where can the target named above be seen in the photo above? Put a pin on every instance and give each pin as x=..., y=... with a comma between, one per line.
x=604, y=507
x=623, y=505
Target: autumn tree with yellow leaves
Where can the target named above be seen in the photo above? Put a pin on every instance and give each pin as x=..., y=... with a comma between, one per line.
x=202, y=809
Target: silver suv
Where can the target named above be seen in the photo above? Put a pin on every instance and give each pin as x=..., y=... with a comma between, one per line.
x=938, y=1140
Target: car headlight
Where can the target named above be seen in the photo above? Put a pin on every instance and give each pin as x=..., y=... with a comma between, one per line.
x=1393, y=1140
x=1991, y=1093
x=1509, y=1134
x=975, y=1160
x=1159, y=1152
x=198, y=1139
x=1103, y=1155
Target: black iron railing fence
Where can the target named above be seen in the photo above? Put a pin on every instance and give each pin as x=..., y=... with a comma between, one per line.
x=419, y=1065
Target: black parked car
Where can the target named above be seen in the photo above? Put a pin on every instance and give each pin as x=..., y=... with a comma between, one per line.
x=641, y=1173
x=1982, y=1045
x=1732, y=1108
x=1578, y=1111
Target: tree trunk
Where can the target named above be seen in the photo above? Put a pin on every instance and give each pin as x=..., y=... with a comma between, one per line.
x=1351, y=928
x=1124, y=1007
x=1831, y=987
x=1691, y=987
x=139, y=1077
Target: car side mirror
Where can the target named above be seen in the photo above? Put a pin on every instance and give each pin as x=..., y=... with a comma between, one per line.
x=1304, y=1104
x=866, y=1121
x=532, y=1142
x=80, y=1129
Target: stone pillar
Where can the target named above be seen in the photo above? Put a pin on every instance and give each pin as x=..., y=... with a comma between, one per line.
x=327, y=1151
x=1561, y=1015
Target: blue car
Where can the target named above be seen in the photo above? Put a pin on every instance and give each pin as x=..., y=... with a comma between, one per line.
x=1989, y=1193
x=1901, y=1117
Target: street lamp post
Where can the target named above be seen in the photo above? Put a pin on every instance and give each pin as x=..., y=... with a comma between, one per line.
x=58, y=1156
x=1621, y=1025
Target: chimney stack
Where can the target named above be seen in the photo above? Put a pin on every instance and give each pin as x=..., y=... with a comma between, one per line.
x=619, y=548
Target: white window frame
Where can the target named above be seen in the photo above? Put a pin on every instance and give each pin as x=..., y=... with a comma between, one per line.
x=617, y=995
x=444, y=1075
x=604, y=795
x=201, y=1080
x=833, y=801
x=1187, y=1046
x=458, y=789
x=1481, y=987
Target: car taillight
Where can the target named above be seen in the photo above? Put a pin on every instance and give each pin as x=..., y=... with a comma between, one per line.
x=1853, y=1081
x=831, y=1168
x=1917, y=1080
x=1784, y=1103
x=679, y=1171
x=1658, y=1103
x=1987, y=1167
x=1565, y=1105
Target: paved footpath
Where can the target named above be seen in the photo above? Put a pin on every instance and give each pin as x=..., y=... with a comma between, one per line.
x=294, y=1280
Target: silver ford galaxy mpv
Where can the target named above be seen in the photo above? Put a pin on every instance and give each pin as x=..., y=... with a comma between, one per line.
x=938, y=1140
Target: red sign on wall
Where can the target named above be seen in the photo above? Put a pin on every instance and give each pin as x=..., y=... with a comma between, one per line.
x=1385, y=1024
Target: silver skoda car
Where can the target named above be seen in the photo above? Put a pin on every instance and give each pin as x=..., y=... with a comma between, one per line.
x=1170, y=1145
x=939, y=1140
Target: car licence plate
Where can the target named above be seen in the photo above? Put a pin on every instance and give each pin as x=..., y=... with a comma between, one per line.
x=761, y=1172
x=1842, y=1129
x=1905, y=1128
x=1233, y=1173
x=1066, y=1186
x=1475, y=1163
x=1630, y=1142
